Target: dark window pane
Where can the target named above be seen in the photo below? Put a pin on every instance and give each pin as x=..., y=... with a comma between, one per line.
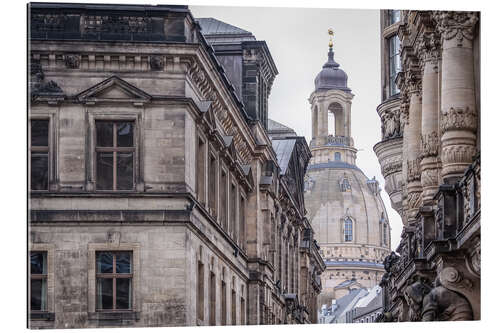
x=38, y=262
x=39, y=171
x=125, y=134
x=104, y=293
x=123, y=293
x=104, y=262
x=104, y=171
x=125, y=171
x=38, y=294
x=123, y=262
x=40, y=133
x=104, y=131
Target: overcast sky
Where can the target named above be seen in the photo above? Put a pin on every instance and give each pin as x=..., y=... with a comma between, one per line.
x=298, y=41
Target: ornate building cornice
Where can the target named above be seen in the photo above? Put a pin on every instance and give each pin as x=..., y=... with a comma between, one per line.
x=459, y=25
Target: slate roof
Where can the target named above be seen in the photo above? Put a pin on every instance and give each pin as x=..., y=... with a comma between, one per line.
x=223, y=32
x=343, y=304
x=283, y=149
x=276, y=129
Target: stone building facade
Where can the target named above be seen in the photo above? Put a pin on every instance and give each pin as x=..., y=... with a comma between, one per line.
x=344, y=206
x=156, y=197
x=430, y=159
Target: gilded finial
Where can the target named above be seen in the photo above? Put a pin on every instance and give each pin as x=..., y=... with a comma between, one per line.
x=330, y=32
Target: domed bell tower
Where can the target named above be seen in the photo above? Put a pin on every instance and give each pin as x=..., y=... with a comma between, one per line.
x=331, y=114
x=345, y=208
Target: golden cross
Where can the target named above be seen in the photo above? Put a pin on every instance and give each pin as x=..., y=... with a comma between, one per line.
x=330, y=32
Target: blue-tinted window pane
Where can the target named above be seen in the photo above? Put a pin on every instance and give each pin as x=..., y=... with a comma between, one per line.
x=104, y=293
x=337, y=156
x=38, y=293
x=104, y=131
x=39, y=171
x=123, y=262
x=38, y=261
x=125, y=134
x=104, y=262
x=125, y=171
x=123, y=293
x=104, y=171
x=40, y=133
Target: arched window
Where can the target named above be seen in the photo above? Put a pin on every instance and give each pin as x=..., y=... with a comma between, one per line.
x=337, y=156
x=384, y=234
x=347, y=229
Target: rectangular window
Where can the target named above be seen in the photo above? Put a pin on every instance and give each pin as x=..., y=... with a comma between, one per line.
x=394, y=64
x=212, y=299
x=242, y=237
x=223, y=309
x=223, y=200
x=200, y=171
x=115, y=151
x=38, y=281
x=233, y=307
x=394, y=16
x=39, y=154
x=201, y=291
x=212, y=186
x=242, y=311
x=232, y=211
x=114, y=280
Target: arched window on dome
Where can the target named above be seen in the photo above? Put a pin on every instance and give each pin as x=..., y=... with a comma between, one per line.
x=337, y=156
x=347, y=230
x=384, y=235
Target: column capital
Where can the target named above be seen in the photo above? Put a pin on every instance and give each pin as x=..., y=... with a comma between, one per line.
x=428, y=46
x=456, y=25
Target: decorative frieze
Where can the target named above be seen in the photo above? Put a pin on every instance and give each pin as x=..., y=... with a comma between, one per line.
x=156, y=62
x=456, y=25
x=413, y=167
x=429, y=145
x=72, y=61
x=458, y=118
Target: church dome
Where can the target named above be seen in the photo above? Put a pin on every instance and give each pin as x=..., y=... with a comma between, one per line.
x=331, y=76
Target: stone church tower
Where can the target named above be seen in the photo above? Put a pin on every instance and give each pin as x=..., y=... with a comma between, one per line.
x=344, y=206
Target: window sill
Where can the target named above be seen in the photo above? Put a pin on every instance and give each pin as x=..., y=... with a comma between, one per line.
x=114, y=315
x=49, y=316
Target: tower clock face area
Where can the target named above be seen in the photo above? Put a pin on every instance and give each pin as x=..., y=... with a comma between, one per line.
x=344, y=206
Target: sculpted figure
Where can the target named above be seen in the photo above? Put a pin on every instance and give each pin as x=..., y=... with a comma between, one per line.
x=414, y=295
x=442, y=304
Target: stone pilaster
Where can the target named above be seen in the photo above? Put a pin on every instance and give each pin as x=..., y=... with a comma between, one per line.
x=458, y=119
x=429, y=53
x=412, y=134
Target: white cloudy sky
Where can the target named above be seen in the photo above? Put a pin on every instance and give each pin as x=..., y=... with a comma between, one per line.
x=298, y=41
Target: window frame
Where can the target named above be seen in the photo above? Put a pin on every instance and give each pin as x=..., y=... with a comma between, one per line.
x=116, y=276
x=346, y=228
x=42, y=276
x=393, y=58
x=49, y=249
x=50, y=149
x=114, y=115
x=93, y=248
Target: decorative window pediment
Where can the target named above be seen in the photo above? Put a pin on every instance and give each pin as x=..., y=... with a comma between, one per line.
x=113, y=89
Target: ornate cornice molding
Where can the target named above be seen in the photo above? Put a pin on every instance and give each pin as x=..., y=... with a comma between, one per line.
x=456, y=25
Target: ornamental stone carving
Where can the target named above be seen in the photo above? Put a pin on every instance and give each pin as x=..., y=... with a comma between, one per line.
x=428, y=47
x=443, y=304
x=459, y=119
x=72, y=61
x=414, y=295
x=429, y=177
x=429, y=144
x=456, y=25
x=458, y=154
x=391, y=127
x=156, y=62
x=413, y=170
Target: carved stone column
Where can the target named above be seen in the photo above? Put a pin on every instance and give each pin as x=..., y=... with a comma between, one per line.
x=429, y=54
x=412, y=133
x=458, y=121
